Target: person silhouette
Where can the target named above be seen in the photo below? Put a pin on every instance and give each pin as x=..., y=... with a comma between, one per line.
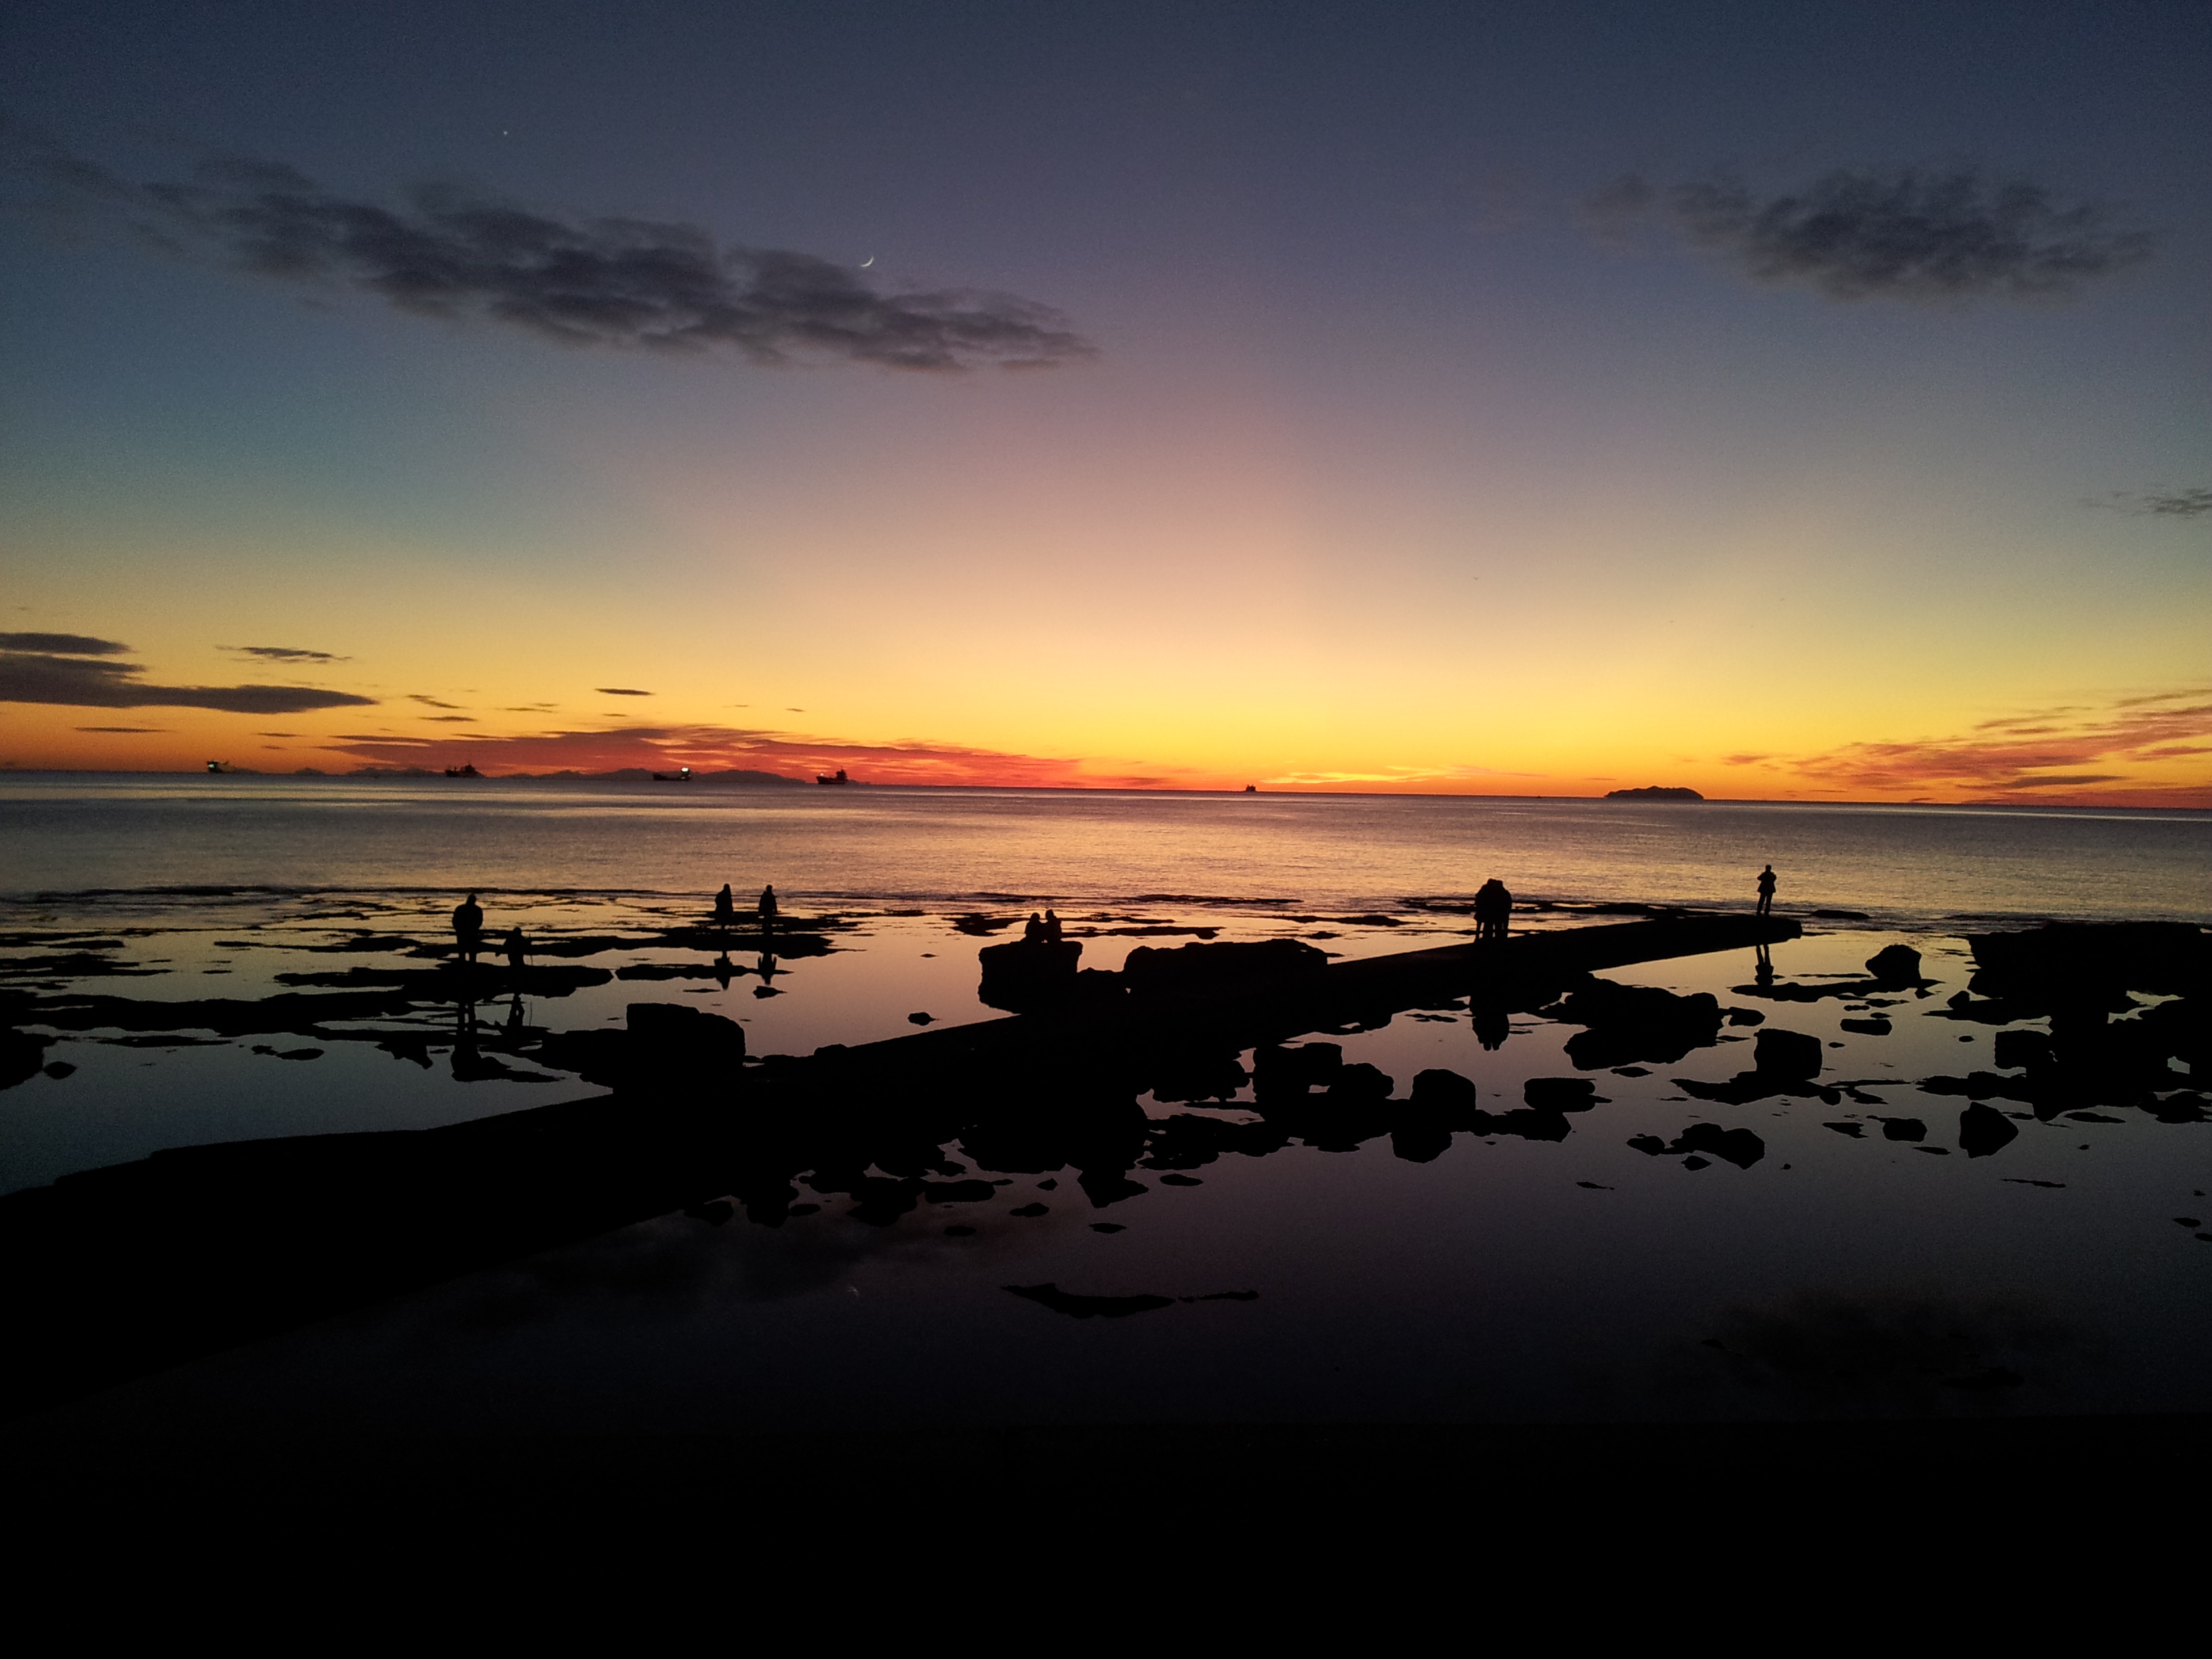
x=726, y=907
x=468, y=928
x=1766, y=892
x=1033, y=930
x=767, y=908
x=1493, y=911
x=1051, y=928
x=514, y=947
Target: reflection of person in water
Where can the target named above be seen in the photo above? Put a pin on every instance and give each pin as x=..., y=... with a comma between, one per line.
x=726, y=907
x=1766, y=892
x=1492, y=1027
x=1051, y=928
x=767, y=908
x=1764, y=971
x=724, y=968
x=514, y=1017
x=515, y=948
x=1033, y=930
x=767, y=970
x=468, y=927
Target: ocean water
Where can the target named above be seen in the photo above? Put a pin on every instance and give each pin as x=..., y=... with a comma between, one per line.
x=1843, y=1271
x=1911, y=866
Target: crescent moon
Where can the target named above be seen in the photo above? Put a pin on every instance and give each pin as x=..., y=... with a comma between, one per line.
x=866, y=263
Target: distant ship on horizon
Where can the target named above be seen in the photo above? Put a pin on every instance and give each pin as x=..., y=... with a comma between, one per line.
x=823, y=777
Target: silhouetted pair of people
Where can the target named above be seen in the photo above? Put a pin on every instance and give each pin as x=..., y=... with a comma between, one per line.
x=1766, y=892
x=1493, y=911
x=1042, y=929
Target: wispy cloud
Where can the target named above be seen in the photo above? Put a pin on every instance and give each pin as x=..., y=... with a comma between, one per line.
x=1903, y=234
x=2171, y=504
x=620, y=691
x=720, y=747
x=74, y=681
x=620, y=282
x=63, y=645
x=282, y=654
x=2077, y=750
x=134, y=730
x=429, y=702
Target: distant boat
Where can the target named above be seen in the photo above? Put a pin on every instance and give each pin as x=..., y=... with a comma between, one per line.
x=224, y=766
x=463, y=772
x=681, y=774
x=1251, y=788
x=823, y=777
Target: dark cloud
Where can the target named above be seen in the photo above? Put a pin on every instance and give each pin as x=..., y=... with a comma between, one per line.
x=451, y=719
x=620, y=282
x=620, y=691
x=2173, y=504
x=1904, y=235
x=62, y=645
x=135, y=730
x=416, y=696
x=45, y=678
x=283, y=653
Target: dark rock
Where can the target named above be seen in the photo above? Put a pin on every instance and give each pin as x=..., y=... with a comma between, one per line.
x=1445, y=1092
x=1360, y=1082
x=1630, y=1023
x=1697, y=1164
x=1842, y=916
x=1781, y=1054
x=1279, y=1072
x=1904, y=1128
x=23, y=1056
x=1593, y=1186
x=1025, y=975
x=1894, y=966
x=1984, y=1130
x=1746, y=1017
x=58, y=1069
x=1181, y=1181
x=2013, y=1050
x=1030, y=1209
x=1108, y=1227
x=1855, y=1131
x=1560, y=1094
x=1649, y=1145
x=1875, y=1027
x=1238, y=969
x=1420, y=1141
x=918, y=1019
x=1089, y=1306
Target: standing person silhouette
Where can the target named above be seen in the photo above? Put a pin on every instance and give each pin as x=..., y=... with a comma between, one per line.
x=468, y=928
x=514, y=947
x=767, y=910
x=726, y=909
x=1766, y=892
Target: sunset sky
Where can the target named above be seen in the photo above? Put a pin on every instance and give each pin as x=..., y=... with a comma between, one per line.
x=1789, y=401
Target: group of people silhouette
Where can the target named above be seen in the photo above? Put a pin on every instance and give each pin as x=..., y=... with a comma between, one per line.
x=468, y=937
x=1042, y=929
x=726, y=909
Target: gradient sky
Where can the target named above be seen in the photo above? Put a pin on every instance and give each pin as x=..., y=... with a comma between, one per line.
x=1428, y=404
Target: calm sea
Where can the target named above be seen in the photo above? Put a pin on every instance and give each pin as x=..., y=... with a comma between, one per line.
x=164, y=940
x=1912, y=867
